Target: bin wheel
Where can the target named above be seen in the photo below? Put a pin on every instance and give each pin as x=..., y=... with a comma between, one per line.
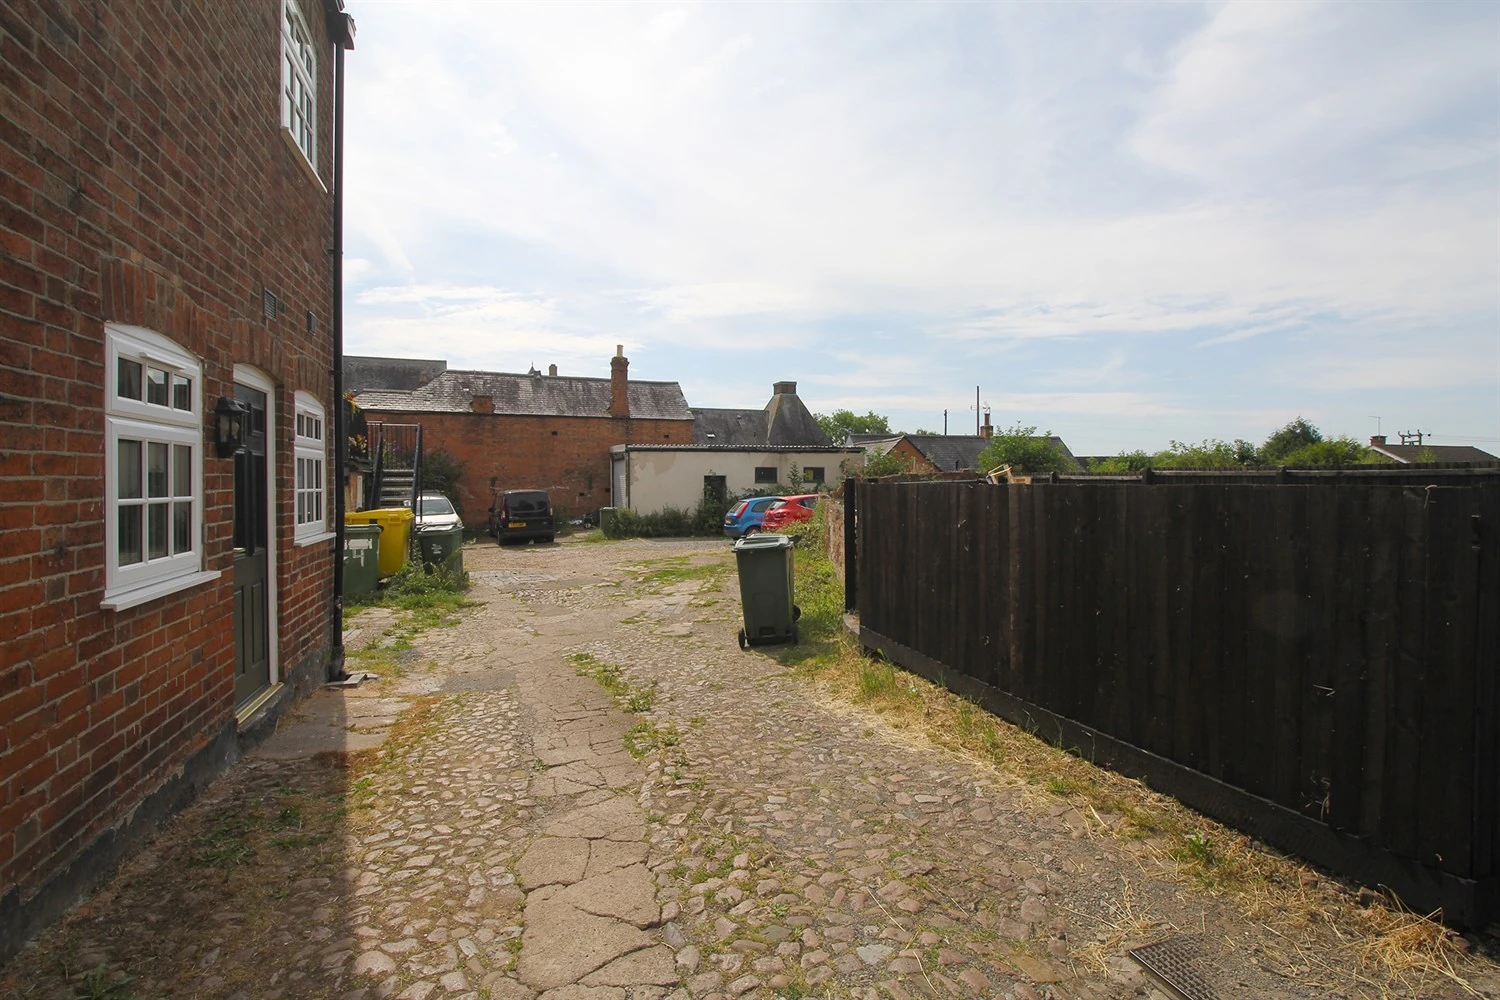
x=796, y=612
x=744, y=640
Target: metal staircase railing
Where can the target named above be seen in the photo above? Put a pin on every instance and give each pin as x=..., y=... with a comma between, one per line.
x=397, y=477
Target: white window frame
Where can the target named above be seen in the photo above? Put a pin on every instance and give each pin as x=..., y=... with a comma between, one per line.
x=299, y=83
x=150, y=423
x=311, y=525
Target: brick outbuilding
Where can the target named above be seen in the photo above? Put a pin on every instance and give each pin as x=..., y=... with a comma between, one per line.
x=536, y=430
x=168, y=240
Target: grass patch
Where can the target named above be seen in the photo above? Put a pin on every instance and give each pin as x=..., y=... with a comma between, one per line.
x=100, y=984
x=1387, y=949
x=425, y=601
x=660, y=574
x=646, y=736
x=609, y=676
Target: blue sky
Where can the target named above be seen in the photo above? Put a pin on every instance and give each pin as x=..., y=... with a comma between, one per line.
x=1125, y=223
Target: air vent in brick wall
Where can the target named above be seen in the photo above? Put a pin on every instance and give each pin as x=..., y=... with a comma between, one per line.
x=270, y=305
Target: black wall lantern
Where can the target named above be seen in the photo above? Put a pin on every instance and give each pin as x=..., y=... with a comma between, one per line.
x=230, y=416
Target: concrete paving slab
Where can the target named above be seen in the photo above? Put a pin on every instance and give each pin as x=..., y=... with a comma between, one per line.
x=562, y=944
x=552, y=861
x=626, y=894
x=655, y=966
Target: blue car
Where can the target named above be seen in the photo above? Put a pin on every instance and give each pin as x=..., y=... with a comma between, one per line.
x=744, y=517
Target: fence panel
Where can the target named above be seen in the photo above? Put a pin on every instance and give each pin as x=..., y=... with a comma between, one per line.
x=1313, y=660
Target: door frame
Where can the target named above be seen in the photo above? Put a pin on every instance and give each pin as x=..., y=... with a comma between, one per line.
x=258, y=380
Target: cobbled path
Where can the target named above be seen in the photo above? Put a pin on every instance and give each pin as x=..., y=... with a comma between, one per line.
x=768, y=842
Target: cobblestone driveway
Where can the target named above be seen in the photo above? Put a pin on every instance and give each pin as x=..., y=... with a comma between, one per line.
x=766, y=842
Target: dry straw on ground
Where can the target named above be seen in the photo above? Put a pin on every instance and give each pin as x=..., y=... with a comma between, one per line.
x=1376, y=949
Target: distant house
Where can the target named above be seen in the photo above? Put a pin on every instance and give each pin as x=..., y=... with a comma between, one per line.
x=733, y=451
x=525, y=431
x=1408, y=454
x=942, y=452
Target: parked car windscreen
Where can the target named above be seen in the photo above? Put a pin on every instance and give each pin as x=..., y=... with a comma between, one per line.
x=526, y=503
x=436, y=505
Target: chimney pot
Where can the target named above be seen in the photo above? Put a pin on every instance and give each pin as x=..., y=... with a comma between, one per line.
x=619, y=350
x=552, y=370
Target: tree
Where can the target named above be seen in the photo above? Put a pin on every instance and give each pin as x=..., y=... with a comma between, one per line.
x=1297, y=434
x=1025, y=452
x=440, y=474
x=892, y=463
x=1209, y=454
x=841, y=423
x=1334, y=451
x=1125, y=461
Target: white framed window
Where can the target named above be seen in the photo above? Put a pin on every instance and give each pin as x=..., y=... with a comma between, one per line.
x=310, y=453
x=153, y=467
x=299, y=82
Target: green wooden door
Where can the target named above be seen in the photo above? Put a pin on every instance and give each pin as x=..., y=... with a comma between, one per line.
x=252, y=584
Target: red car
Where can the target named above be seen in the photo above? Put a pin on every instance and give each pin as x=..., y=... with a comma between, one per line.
x=790, y=511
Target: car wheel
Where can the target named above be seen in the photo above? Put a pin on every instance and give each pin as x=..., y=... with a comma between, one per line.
x=547, y=540
x=752, y=530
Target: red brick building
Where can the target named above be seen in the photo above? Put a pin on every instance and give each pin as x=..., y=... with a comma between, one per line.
x=166, y=223
x=541, y=431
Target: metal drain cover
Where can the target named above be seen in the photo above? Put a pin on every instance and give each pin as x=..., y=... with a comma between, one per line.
x=1176, y=965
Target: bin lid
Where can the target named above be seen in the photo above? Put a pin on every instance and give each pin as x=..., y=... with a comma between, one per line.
x=756, y=543
x=380, y=515
x=360, y=530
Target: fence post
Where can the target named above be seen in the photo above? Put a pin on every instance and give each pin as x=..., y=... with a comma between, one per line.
x=851, y=544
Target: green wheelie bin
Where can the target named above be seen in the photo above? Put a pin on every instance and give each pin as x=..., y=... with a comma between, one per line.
x=765, y=570
x=361, y=558
x=442, y=549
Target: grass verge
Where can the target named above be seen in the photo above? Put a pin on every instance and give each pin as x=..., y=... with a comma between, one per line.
x=1366, y=945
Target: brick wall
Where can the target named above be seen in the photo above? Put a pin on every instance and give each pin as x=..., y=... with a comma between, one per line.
x=568, y=456
x=143, y=179
x=919, y=461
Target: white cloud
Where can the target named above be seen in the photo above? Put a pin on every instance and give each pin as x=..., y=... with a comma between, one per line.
x=989, y=185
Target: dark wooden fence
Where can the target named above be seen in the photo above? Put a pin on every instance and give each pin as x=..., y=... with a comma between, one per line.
x=1313, y=663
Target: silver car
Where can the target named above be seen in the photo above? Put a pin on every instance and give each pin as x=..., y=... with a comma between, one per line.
x=435, y=513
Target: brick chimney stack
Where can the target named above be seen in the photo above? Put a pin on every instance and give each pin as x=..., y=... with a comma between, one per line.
x=986, y=431
x=619, y=392
x=1377, y=439
x=552, y=371
x=784, y=388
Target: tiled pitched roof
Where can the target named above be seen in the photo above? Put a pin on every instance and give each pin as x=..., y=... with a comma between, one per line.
x=531, y=395
x=736, y=428
x=784, y=420
x=947, y=452
x=1408, y=453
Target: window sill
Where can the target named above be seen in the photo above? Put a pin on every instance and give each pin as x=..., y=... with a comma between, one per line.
x=301, y=158
x=124, y=600
x=322, y=536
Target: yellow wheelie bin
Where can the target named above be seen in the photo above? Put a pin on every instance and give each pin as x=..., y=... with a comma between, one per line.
x=394, y=538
